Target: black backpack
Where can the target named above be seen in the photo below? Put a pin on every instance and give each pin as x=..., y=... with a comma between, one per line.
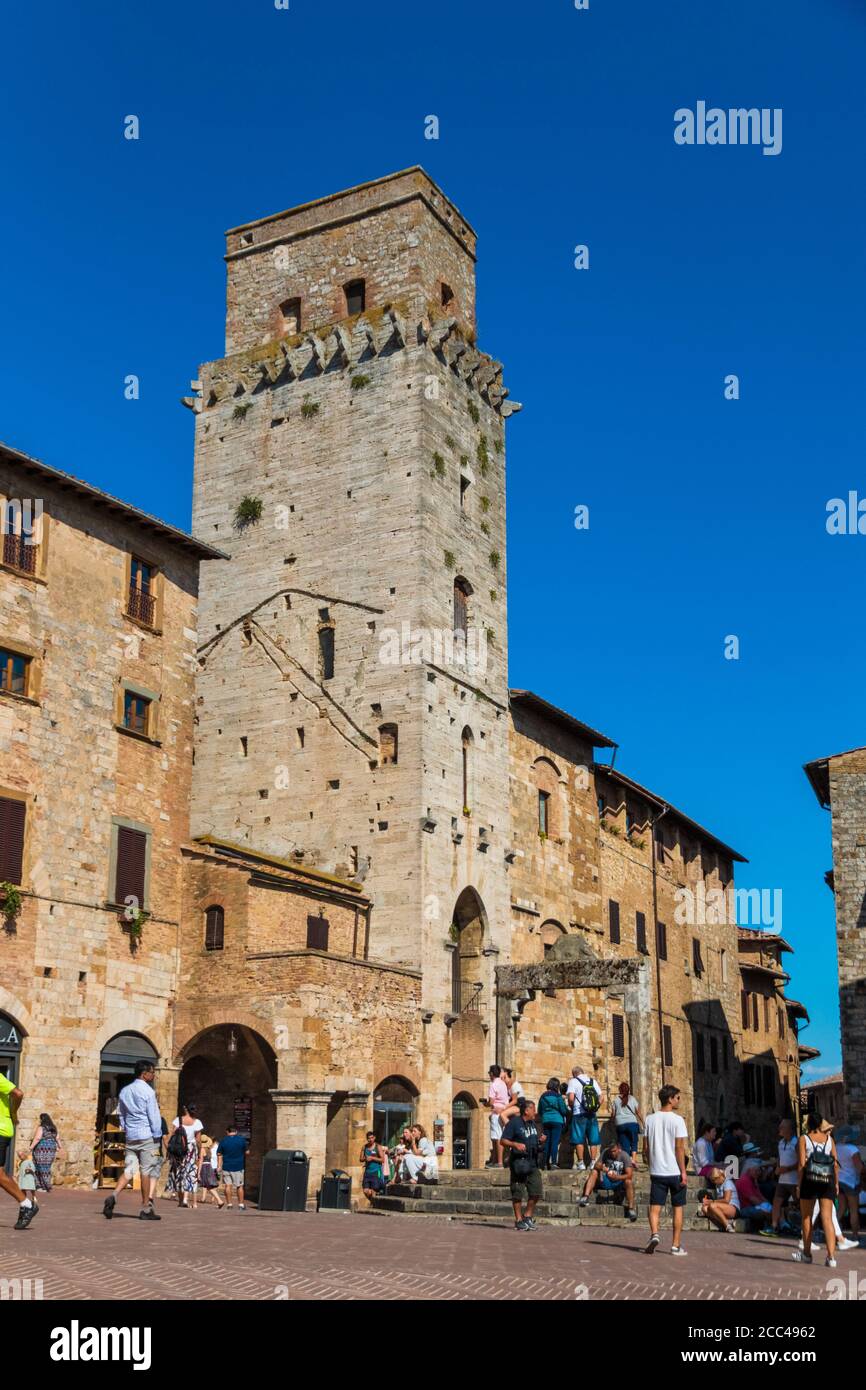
x=820, y=1167
x=177, y=1144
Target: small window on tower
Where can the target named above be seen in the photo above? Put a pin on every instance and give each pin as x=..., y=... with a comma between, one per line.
x=387, y=744
x=326, y=653
x=447, y=295
x=465, y=485
x=291, y=312
x=356, y=296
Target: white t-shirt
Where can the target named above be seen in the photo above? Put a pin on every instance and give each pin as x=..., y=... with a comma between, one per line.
x=845, y=1154
x=788, y=1159
x=575, y=1089
x=702, y=1154
x=663, y=1128
x=189, y=1130
x=516, y=1090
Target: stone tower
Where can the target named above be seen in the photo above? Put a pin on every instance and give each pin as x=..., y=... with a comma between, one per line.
x=350, y=458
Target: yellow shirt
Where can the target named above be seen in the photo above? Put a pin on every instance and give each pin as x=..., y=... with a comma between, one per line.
x=7, y=1128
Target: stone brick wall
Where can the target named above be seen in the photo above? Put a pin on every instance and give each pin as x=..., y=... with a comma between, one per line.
x=847, y=775
x=70, y=979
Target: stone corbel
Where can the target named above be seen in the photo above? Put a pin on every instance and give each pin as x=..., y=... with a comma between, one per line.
x=317, y=348
x=344, y=345
x=398, y=326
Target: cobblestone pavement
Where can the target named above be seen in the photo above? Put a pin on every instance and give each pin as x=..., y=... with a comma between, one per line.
x=268, y=1255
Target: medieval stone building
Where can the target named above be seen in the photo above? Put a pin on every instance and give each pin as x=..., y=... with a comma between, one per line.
x=285, y=826
x=839, y=782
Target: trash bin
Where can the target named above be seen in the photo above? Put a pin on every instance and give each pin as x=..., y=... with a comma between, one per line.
x=460, y=1154
x=335, y=1193
x=284, y=1180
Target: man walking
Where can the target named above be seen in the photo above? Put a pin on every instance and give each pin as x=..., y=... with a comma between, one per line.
x=232, y=1158
x=521, y=1140
x=584, y=1097
x=10, y=1099
x=665, y=1139
x=141, y=1123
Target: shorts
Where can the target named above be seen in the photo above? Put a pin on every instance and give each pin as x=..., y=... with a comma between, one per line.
x=5, y=1141
x=530, y=1186
x=584, y=1130
x=661, y=1186
x=608, y=1185
x=495, y=1126
x=233, y=1179
x=145, y=1154
x=848, y=1189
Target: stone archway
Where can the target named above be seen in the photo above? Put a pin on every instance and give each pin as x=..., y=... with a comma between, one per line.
x=228, y=1072
x=572, y=964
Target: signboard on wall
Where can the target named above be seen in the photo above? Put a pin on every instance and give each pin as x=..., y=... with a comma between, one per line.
x=243, y=1116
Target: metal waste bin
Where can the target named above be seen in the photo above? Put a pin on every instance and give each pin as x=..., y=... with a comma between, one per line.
x=335, y=1193
x=284, y=1180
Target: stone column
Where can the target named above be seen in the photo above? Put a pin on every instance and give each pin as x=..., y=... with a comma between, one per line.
x=638, y=1011
x=360, y=1120
x=302, y=1123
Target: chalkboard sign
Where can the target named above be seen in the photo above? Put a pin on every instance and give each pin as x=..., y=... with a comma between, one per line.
x=243, y=1116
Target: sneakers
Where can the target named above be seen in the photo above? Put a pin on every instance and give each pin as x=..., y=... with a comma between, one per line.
x=148, y=1214
x=108, y=1208
x=583, y=1202
x=521, y=1226
x=678, y=1250
x=531, y=1225
x=730, y=1229
x=631, y=1213
x=770, y=1231
x=846, y=1244
x=25, y=1216
x=801, y=1257
x=830, y=1262
x=581, y=1168
x=651, y=1247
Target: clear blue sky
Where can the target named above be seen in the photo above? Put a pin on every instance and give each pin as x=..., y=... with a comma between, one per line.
x=706, y=515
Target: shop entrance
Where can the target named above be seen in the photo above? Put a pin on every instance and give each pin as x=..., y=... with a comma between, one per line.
x=116, y=1069
x=393, y=1109
x=10, y=1065
x=462, y=1111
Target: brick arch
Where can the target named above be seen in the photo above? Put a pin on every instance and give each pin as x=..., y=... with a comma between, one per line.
x=10, y=1004
x=218, y=1016
x=129, y=1020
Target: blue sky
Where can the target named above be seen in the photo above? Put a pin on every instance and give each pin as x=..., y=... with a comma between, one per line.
x=707, y=516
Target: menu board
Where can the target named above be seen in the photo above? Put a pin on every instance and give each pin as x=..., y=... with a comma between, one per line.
x=243, y=1116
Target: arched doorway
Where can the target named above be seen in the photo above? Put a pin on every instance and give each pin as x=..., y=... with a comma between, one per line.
x=228, y=1074
x=11, y=1040
x=393, y=1108
x=116, y=1069
x=463, y=1111
x=467, y=932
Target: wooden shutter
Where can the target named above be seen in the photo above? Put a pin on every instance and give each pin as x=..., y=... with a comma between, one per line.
x=640, y=931
x=662, y=940
x=13, y=815
x=668, y=1046
x=697, y=960
x=317, y=933
x=613, y=918
x=755, y=1023
x=700, y=1060
x=714, y=1056
x=214, y=929
x=131, y=866
x=618, y=1035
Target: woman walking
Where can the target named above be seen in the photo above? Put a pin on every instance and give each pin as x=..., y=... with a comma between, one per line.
x=183, y=1151
x=628, y=1120
x=553, y=1115
x=45, y=1146
x=816, y=1171
x=208, y=1178
x=374, y=1157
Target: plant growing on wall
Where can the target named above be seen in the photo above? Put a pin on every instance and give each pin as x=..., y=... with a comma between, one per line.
x=494, y=558
x=482, y=455
x=450, y=559
x=10, y=895
x=473, y=412
x=134, y=920
x=248, y=511
x=449, y=442
x=439, y=465
x=309, y=408
x=240, y=410
x=359, y=381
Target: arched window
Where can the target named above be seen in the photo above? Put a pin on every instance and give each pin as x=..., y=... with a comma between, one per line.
x=462, y=590
x=388, y=738
x=546, y=778
x=214, y=928
x=467, y=739
x=356, y=296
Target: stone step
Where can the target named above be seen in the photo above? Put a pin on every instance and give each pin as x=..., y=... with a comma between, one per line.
x=556, y=1213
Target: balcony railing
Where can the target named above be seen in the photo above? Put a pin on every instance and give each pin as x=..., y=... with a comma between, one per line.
x=466, y=997
x=142, y=606
x=19, y=553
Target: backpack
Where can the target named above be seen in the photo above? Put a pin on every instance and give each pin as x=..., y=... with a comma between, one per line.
x=820, y=1167
x=177, y=1145
x=589, y=1100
